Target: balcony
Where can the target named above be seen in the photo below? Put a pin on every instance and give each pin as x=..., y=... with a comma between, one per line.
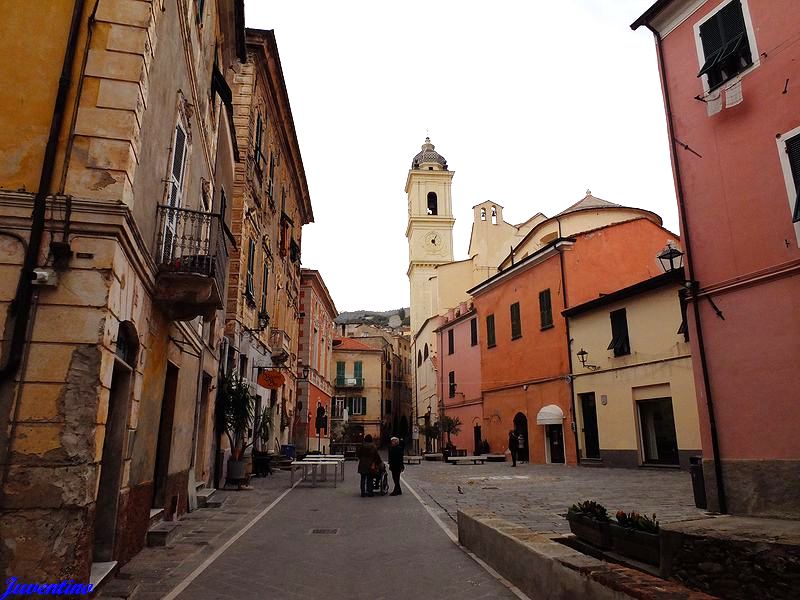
x=281, y=344
x=192, y=263
x=350, y=382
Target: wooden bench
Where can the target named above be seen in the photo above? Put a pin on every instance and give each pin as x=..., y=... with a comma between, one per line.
x=457, y=460
x=412, y=460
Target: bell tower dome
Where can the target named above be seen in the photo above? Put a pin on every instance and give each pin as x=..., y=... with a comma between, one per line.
x=430, y=228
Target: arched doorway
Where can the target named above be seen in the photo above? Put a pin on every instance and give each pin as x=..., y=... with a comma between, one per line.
x=107, y=505
x=521, y=429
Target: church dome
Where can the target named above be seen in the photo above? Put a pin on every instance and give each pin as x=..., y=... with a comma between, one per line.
x=428, y=155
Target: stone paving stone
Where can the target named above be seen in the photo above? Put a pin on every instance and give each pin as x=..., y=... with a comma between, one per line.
x=537, y=496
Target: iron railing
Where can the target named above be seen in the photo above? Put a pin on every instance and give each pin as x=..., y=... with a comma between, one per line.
x=351, y=382
x=191, y=241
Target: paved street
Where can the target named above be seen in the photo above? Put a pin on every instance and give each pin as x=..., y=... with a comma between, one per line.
x=537, y=496
x=382, y=547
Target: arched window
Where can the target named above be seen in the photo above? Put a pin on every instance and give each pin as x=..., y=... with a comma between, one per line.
x=494, y=215
x=483, y=213
x=425, y=352
x=419, y=358
x=433, y=204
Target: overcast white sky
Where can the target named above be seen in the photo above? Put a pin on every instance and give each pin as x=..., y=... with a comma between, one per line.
x=531, y=103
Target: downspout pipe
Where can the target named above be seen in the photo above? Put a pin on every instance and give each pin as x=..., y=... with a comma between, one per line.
x=721, y=496
x=21, y=305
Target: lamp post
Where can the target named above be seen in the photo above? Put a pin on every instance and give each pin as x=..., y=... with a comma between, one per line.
x=671, y=258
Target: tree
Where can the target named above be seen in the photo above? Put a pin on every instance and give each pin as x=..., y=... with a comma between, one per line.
x=450, y=426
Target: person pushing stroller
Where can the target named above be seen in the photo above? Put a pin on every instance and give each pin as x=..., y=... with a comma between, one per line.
x=370, y=465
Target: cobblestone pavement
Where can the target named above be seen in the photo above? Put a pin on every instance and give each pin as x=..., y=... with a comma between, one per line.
x=383, y=547
x=537, y=496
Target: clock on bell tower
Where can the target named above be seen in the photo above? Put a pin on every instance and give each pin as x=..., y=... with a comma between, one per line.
x=430, y=228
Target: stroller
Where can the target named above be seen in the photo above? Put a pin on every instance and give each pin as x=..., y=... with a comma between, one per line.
x=380, y=482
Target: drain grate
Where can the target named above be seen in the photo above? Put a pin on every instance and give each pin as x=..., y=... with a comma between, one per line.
x=323, y=532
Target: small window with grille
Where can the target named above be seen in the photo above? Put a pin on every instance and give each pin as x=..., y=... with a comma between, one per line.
x=726, y=46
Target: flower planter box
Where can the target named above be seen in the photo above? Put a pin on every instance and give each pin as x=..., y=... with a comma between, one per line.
x=635, y=544
x=590, y=531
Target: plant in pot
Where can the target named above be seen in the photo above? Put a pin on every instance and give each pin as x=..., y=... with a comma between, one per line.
x=262, y=426
x=237, y=407
x=636, y=536
x=589, y=521
x=450, y=426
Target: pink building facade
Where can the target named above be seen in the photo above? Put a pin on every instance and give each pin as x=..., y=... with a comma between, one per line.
x=730, y=71
x=460, y=376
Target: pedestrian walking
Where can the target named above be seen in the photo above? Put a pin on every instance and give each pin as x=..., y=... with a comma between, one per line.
x=513, y=447
x=521, y=454
x=369, y=465
x=396, y=465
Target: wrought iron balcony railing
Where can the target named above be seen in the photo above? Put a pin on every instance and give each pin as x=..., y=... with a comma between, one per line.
x=191, y=243
x=350, y=382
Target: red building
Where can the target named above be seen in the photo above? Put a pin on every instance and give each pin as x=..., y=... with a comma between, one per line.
x=730, y=74
x=315, y=388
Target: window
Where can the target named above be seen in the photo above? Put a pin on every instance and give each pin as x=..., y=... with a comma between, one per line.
x=451, y=377
x=490, y=341
x=358, y=371
x=242, y=366
x=450, y=342
x=419, y=358
x=271, y=180
x=473, y=331
x=357, y=405
x=792, y=149
x=425, y=353
x=264, y=280
x=257, y=150
x=483, y=213
x=251, y=259
x=338, y=407
x=619, y=333
x=340, y=372
x=433, y=208
x=516, y=324
x=545, y=309
x=726, y=47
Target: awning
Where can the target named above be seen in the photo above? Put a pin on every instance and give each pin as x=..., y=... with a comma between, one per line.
x=550, y=415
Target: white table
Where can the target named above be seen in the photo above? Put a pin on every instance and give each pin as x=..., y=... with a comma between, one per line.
x=330, y=459
x=314, y=464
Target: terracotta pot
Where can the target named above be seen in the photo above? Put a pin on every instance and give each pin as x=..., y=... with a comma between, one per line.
x=236, y=469
x=635, y=544
x=590, y=531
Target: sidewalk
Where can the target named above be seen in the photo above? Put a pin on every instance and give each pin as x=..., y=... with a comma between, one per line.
x=321, y=542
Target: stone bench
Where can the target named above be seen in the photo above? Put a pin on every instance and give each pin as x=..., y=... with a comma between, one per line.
x=412, y=460
x=459, y=460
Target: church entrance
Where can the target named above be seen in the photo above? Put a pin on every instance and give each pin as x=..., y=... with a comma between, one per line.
x=521, y=429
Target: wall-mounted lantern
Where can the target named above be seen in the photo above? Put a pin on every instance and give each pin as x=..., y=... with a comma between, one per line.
x=671, y=258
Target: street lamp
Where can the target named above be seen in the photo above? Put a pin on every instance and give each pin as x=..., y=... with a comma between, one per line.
x=583, y=356
x=671, y=258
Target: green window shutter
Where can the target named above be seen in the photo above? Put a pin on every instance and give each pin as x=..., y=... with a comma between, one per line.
x=516, y=324
x=490, y=341
x=473, y=331
x=339, y=372
x=358, y=369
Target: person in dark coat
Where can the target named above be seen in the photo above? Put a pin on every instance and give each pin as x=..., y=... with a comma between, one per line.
x=396, y=465
x=513, y=446
x=369, y=464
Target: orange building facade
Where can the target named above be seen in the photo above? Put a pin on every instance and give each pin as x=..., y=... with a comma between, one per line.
x=729, y=72
x=526, y=355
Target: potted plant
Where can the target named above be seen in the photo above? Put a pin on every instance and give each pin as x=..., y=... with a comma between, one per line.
x=636, y=536
x=262, y=425
x=450, y=426
x=237, y=406
x=589, y=521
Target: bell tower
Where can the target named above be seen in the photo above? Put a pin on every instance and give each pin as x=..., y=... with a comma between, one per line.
x=430, y=229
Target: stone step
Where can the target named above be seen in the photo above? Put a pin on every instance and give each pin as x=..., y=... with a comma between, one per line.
x=121, y=588
x=162, y=533
x=204, y=496
x=216, y=502
x=102, y=573
x=156, y=514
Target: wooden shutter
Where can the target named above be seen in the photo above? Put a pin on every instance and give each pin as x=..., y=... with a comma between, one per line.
x=358, y=370
x=450, y=342
x=620, y=343
x=516, y=325
x=264, y=281
x=490, y=341
x=793, y=150
x=545, y=309
x=251, y=258
x=473, y=331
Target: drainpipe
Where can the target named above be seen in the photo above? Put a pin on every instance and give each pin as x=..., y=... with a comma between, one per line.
x=721, y=496
x=574, y=425
x=21, y=306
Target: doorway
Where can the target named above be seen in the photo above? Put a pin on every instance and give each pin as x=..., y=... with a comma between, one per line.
x=591, y=437
x=476, y=439
x=201, y=459
x=164, y=445
x=521, y=430
x=105, y=520
x=555, y=442
x=657, y=423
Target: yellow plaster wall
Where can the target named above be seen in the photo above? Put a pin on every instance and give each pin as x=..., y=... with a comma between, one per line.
x=659, y=361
